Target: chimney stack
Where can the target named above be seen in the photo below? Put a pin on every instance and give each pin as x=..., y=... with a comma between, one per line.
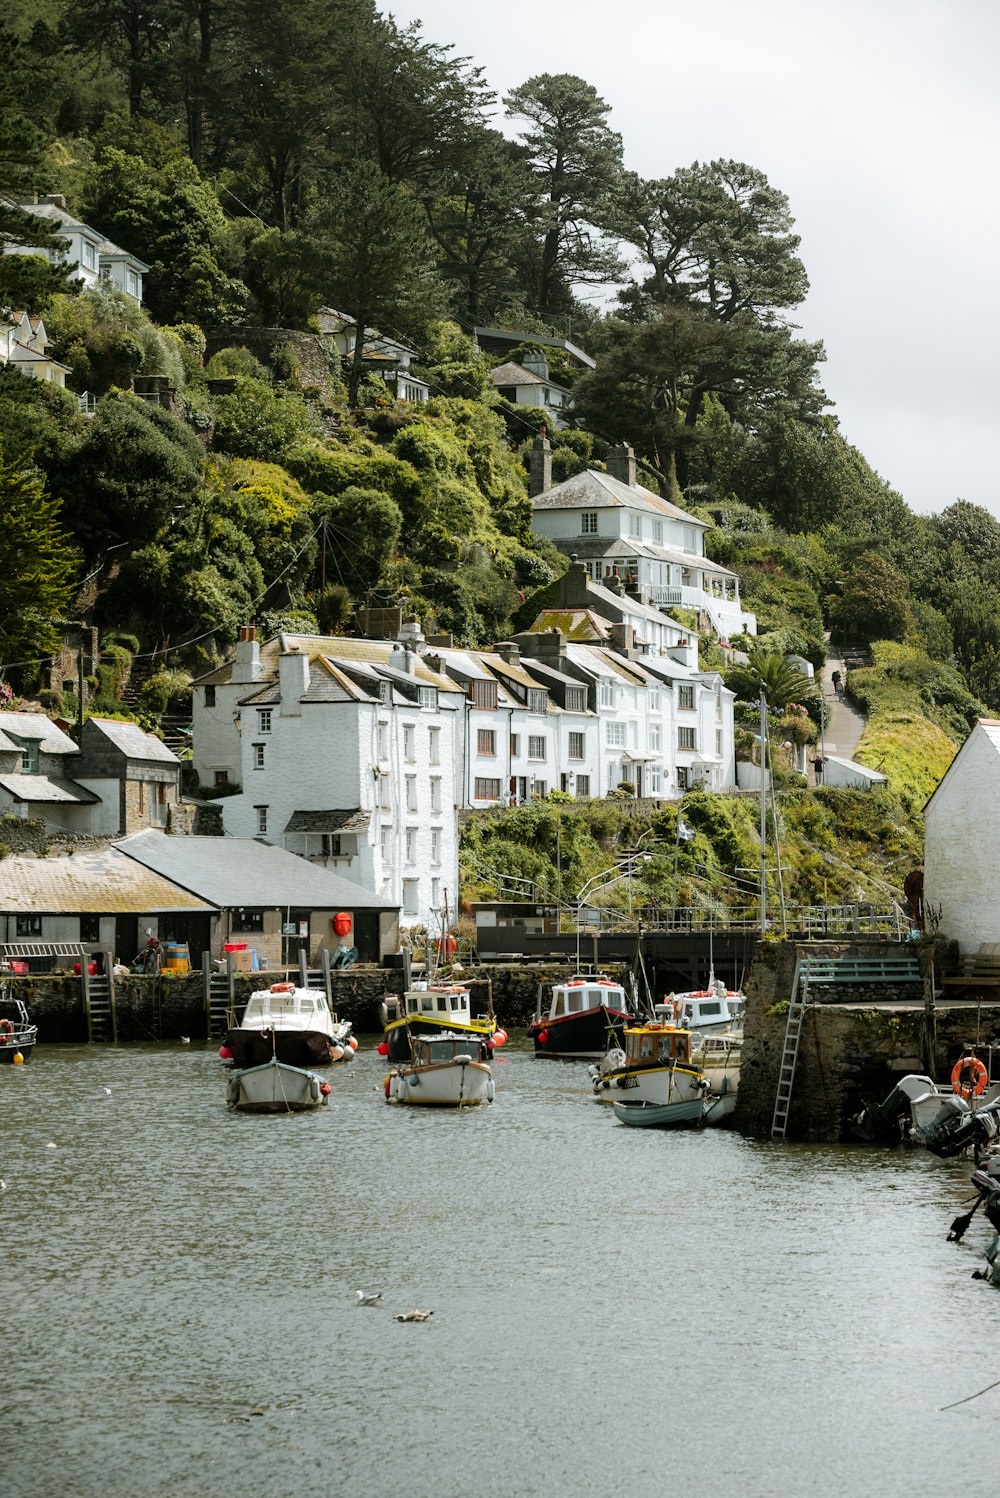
x=623, y=638
x=246, y=667
x=507, y=651
x=540, y=473
x=293, y=682
x=620, y=463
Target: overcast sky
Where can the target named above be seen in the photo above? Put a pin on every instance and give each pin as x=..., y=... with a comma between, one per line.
x=879, y=119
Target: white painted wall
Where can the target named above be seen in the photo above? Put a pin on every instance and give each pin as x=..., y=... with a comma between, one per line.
x=962, y=843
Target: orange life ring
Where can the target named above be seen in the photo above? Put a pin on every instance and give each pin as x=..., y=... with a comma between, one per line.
x=282, y=987
x=6, y=1032
x=969, y=1076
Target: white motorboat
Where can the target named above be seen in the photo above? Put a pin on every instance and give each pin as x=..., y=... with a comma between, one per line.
x=705, y=1010
x=276, y=1087
x=430, y=1009
x=448, y=1069
x=656, y=1067
x=294, y=1024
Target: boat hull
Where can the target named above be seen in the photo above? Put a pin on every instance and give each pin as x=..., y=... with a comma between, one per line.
x=293, y=1047
x=579, y=1037
x=661, y=1086
x=397, y=1033
x=274, y=1088
x=16, y=1046
x=643, y=1115
x=449, y=1084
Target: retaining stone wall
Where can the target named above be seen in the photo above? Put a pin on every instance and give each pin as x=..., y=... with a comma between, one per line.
x=854, y=1046
x=168, y=1007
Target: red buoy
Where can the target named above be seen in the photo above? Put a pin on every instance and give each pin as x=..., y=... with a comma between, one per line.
x=499, y=1037
x=225, y=1054
x=543, y=1037
x=325, y=1089
x=383, y=1048
x=342, y=923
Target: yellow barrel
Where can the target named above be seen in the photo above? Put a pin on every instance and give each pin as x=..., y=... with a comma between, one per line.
x=176, y=957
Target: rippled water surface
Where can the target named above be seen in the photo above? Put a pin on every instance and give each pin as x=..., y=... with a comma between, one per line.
x=615, y=1310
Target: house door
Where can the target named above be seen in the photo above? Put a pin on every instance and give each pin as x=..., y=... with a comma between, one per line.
x=638, y=780
x=519, y=789
x=126, y=938
x=365, y=936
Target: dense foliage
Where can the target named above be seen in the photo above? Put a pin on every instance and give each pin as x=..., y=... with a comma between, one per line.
x=271, y=162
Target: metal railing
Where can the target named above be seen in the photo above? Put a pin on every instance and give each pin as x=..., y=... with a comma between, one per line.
x=807, y=920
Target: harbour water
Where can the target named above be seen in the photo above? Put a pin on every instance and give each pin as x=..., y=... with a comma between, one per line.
x=614, y=1310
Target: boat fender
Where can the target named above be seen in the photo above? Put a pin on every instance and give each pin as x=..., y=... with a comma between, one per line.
x=490, y=1090
x=314, y=1088
x=969, y=1076
x=325, y=1089
x=232, y=1091
x=413, y=1081
x=6, y=1032
x=17, y=1058
x=387, y=1084
x=282, y=987
x=542, y=1037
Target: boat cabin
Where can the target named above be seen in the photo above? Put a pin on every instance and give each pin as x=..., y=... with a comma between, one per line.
x=437, y=1050
x=646, y=1044
x=284, y=1002
x=579, y=995
x=451, y=1003
x=713, y=1010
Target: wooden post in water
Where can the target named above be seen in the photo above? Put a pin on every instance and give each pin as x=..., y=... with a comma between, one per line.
x=929, y=1028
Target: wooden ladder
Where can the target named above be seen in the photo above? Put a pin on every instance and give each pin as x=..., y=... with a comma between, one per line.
x=790, y=1054
x=99, y=1002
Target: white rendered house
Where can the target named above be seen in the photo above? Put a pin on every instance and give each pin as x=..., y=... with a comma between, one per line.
x=619, y=529
x=961, y=843
x=344, y=751
x=92, y=255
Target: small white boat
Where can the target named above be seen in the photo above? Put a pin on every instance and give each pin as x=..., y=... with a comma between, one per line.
x=445, y=1070
x=295, y=1024
x=705, y=1010
x=276, y=1087
x=656, y=1067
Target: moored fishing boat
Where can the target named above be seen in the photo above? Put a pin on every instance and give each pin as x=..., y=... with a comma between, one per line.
x=294, y=1024
x=715, y=1008
x=448, y=1069
x=276, y=1087
x=431, y=1009
x=17, y=1035
x=580, y=1018
x=656, y=1067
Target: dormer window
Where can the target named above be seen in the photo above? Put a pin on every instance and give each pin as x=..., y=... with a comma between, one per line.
x=576, y=700
x=538, y=700
x=30, y=757
x=483, y=694
x=385, y=692
x=427, y=696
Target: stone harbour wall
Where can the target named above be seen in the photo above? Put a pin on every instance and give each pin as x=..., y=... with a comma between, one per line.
x=169, y=1006
x=856, y=1043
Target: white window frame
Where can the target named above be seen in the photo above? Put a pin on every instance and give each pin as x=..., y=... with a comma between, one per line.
x=614, y=733
x=576, y=747
x=411, y=793
x=588, y=522
x=258, y=757
x=261, y=812
x=409, y=743
x=536, y=746
x=434, y=745
x=264, y=719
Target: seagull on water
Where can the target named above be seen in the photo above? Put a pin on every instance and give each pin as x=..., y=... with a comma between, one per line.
x=365, y=1298
x=416, y=1316
x=108, y=1091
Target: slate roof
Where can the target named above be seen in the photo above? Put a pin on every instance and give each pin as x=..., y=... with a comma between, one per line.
x=592, y=548
x=235, y=871
x=352, y=819
x=98, y=882
x=591, y=490
x=334, y=652
x=46, y=788
x=51, y=739
x=133, y=741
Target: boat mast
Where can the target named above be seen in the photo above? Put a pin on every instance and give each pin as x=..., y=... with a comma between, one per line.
x=763, y=812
